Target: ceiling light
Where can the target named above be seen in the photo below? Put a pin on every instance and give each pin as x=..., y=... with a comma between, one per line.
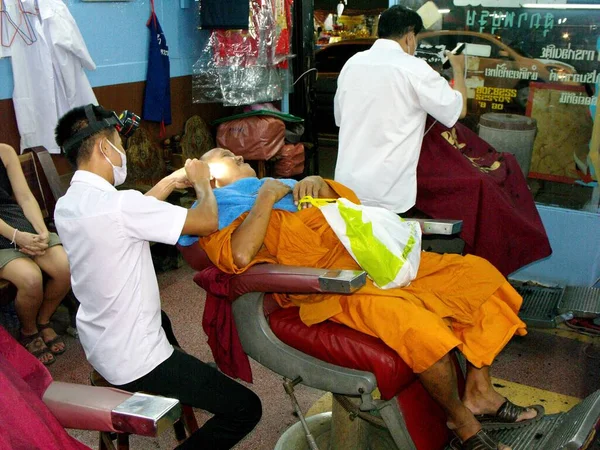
x=443, y=11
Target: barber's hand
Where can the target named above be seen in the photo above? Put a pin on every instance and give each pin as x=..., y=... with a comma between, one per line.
x=276, y=189
x=196, y=171
x=308, y=186
x=456, y=61
x=30, y=244
x=180, y=179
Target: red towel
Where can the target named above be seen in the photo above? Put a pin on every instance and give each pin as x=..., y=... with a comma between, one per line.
x=219, y=325
x=460, y=176
x=26, y=422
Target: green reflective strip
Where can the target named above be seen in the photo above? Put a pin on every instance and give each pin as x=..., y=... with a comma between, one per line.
x=411, y=241
x=375, y=258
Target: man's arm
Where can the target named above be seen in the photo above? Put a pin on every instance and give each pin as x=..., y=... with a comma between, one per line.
x=176, y=180
x=248, y=238
x=203, y=219
x=458, y=69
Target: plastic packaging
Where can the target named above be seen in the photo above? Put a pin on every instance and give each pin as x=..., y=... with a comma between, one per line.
x=387, y=247
x=239, y=67
x=290, y=161
x=257, y=138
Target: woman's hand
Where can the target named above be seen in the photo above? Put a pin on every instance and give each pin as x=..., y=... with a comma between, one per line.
x=308, y=186
x=44, y=236
x=31, y=244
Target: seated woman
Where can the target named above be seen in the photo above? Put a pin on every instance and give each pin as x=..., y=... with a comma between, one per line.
x=455, y=301
x=26, y=250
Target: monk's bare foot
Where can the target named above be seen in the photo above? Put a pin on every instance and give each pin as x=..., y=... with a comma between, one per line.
x=487, y=401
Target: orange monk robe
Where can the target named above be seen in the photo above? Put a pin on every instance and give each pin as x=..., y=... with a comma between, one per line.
x=455, y=301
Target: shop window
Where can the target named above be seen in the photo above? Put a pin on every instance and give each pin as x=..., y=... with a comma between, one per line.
x=539, y=63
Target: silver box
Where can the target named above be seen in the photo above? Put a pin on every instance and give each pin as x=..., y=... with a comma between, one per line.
x=146, y=415
x=439, y=226
x=342, y=281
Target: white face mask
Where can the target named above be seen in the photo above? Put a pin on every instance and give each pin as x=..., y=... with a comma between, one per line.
x=119, y=173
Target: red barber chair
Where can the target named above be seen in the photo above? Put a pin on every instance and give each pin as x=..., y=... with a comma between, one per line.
x=351, y=365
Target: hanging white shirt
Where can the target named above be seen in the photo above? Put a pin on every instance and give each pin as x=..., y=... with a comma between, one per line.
x=382, y=101
x=49, y=79
x=106, y=235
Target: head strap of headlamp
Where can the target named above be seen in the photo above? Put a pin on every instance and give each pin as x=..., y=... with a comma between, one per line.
x=94, y=126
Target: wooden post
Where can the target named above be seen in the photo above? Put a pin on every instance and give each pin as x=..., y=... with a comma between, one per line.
x=348, y=433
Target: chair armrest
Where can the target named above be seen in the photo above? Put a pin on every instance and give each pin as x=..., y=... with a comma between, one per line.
x=262, y=345
x=108, y=409
x=298, y=280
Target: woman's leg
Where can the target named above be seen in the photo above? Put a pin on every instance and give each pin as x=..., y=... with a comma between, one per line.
x=56, y=265
x=236, y=408
x=27, y=277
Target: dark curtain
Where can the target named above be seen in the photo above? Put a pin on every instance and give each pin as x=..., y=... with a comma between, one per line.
x=224, y=14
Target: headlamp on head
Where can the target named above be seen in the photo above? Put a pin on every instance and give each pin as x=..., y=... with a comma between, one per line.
x=126, y=123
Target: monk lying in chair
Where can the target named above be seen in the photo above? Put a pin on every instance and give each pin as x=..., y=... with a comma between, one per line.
x=455, y=302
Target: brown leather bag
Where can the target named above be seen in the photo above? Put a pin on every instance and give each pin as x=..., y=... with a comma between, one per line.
x=290, y=161
x=255, y=138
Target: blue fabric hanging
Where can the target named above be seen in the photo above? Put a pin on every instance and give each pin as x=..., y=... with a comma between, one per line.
x=157, y=97
x=224, y=14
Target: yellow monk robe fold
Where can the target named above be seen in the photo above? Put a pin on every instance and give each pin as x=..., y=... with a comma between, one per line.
x=455, y=301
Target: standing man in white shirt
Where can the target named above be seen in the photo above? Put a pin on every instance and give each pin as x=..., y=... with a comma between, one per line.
x=383, y=97
x=106, y=235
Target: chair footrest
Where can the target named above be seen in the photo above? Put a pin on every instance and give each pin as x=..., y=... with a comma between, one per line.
x=574, y=429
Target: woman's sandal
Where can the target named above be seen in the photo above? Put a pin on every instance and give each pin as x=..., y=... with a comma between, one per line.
x=52, y=342
x=507, y=415
x=479, y=441
x=35, y=345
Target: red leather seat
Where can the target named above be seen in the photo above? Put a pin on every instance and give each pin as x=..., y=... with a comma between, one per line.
x=337, y=344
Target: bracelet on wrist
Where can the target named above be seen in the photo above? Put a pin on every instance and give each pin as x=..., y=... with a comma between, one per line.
x=14, y=238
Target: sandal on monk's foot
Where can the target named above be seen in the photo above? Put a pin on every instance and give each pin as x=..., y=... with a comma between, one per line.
x=479, y=441
x=507, y=415
x=35, y=345
x=52, y=342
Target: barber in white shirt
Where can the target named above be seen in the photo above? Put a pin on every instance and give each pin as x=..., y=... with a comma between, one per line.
x=106, y=235
x=383, y=97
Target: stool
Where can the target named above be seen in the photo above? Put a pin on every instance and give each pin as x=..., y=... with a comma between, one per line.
x=185, y=426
